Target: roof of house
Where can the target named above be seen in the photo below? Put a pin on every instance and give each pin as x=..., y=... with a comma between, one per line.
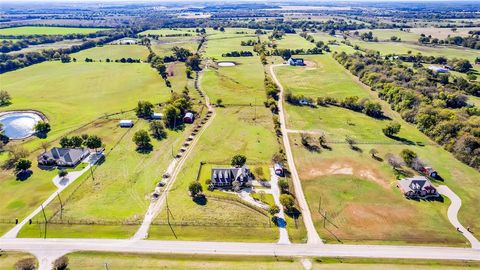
x=126, y=121
x=228, y=175
x=64, y=155
x=415, y=184
x=189, y=115
x=296, y=59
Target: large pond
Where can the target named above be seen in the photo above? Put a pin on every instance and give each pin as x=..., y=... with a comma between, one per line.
x=226, y=64
x=19, y=125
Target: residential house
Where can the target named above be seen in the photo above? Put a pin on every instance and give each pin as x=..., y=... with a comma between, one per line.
x=64, y=157
x=417, y=187
x=156, y=116
x=188, y=118
x=296, y=62
x=224, y=177
x=438, y=69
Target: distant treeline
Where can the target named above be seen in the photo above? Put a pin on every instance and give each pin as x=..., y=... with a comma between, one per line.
x=237, y=54
x=472, y=41
x=23, y=41
x=20, y=60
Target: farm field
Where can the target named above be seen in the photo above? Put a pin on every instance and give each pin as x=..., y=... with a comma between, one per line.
x=172, y=31
x=57, y=45
x=113, y=52
x=402, y=48
x=386, y=34
x=165, y=47
x=443, y=33
x=294, y=41
x=47, y=30
x=332, y=174
x=95, y=89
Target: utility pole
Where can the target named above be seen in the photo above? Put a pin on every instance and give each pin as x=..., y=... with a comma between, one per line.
x=61, y=206
x=324, y=218
x=91, y=172
x=45, y=217
x=320, y=204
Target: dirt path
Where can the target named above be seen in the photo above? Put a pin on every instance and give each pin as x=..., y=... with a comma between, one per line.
x=312, y=234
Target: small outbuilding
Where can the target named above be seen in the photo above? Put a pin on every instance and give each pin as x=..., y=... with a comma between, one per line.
x=438, y=69
x=188, y=118
x=126, y=123
x=156, y=116
x=429, y=171
x=278, y=169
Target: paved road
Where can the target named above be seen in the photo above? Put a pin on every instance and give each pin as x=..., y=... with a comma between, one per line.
x=173, y=170
x=49, y=249
x=453, y=209
x=312, y=234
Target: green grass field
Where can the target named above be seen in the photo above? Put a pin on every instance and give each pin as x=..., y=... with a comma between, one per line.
x=442, y=33
x=294, y=41
x=173, y=31
x=402, y=48
x=386, y=34
x=47, y=30
x=98, y=260
x=113, y=52
x=363, y=216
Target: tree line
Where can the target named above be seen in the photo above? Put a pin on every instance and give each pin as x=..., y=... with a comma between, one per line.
x=434, y=102
x=21, y=60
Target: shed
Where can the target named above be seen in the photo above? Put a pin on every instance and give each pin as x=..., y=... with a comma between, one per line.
x=278, y=169
x=188, y=118
x=156, y=115
x=126, y=123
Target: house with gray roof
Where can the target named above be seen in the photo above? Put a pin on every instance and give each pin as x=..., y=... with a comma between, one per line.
x=417, y=187
x=224, y=177
x=64, y=157
x=295, y=61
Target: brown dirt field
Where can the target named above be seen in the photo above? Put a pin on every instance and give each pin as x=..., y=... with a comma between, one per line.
x=310, y=64
x=343, y=167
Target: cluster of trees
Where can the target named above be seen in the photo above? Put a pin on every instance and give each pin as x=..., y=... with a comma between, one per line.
x=366, y=36
x=460, y=65
x=271, y=90
x=144, y=109
x=238, y=54
x=42, y=128
x=5, y=98
x=364, y=105
x=472, y=41
x=21, y=60
x=89, y=141
x=318, y=45
x=250, y=42
x=287, y=53
x=156, y=37
x=176, y=108
x=437, y=106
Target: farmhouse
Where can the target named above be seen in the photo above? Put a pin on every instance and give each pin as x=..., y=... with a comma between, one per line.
x=224, y=177
x=68, y=157
x=188, y=118
x=417, y=187
x=296, y=62
x=126, y=123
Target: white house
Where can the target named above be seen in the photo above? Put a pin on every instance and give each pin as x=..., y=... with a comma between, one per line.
x=126, y=123
x=438, y=69
x=296, y=62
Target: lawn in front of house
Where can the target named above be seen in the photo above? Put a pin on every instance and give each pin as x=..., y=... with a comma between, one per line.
x=9, y=258
x=48, y=30
x=119, y=190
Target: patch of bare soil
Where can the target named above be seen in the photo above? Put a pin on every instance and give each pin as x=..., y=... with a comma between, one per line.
x=344, y=167
x=310, y=64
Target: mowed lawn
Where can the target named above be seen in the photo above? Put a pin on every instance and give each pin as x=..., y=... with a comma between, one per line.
x=233, y=131
x=361, y=196
x=120, y=190
x=91, y=260
x=47, y=30
x=326, y=79
x=74, y=94
x=9, y=258
x=113, y=52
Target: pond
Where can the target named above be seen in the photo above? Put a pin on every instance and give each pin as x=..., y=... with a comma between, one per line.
x=226, y=64
x=19, y=125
